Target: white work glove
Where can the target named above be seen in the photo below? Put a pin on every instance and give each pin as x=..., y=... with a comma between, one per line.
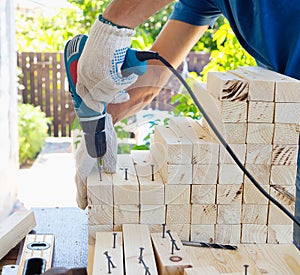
x=84, y=163
x=99, y=67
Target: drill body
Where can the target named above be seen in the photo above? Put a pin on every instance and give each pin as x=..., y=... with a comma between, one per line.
x=93, y=122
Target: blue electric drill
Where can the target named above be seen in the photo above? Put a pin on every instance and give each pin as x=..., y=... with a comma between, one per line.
x=93, y=122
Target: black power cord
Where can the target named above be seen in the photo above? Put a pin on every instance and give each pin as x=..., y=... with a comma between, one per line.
x=147, y=55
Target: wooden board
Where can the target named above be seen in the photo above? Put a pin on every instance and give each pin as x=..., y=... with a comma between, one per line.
x=99, y=192
x=43, y=246
x=205, y=149
x=135, y=237
x=14, y=228
x=286, y=133
x=260, y=133
x=204, y=214
x=163, y=252
x=174, y=147
x=205, y=174
x=292, y=116
x=151, y=191
x=177, y=174
x=261, y=112
x=261, y=88
x=125, y=189
x=100, y=214
x=105, y=244
x=226, y=86
x=177, y=194
x=204, y=194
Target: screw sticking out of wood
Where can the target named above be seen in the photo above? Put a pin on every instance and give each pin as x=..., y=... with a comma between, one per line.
x=163, y=230
x=172, y=239
x=126, y=173
x=115, y=237
x=152, y=171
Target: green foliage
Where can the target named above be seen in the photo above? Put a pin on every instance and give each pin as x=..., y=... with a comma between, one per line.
x=229, y=53
x=32, y=126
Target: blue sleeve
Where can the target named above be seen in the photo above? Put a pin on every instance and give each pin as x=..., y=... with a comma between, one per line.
x=196, y=12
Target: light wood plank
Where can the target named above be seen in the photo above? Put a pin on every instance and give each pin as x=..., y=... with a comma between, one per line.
x=205, y=173
x=285, y=155
x=261, y=88
x=224, y=261
x=230, y=174
x=287, y=88
x=204, y=214
x=93, y=229
x=104, y=244
x=99, y=192
x=203, y=194
x=177, y=174
x=178, y=214
x=234, y=133
x=175, y=148
x=238, y=149
x=229, y=194
x=253, y=196
x=260, y=133
x=163, y=249
x=151, y=192
x=229, y=214
x=254, y=233
x=286, y=195
x=260, y=172
x=125, y=190
x=278, y=217
x=205, y=149
x=207, y=270
x=286, y=133
x=275, y=259
x=283, y=175
x=136, y=236
x=254, y=214
x=226, y=86
x=261, y=112
x=287, y=113
x=14, y=228
x=259, y=154
x=182, y=230
x=126, y=214
x=280, y=234
x=100, y=214
x=203, y=233
x=228, y=233
x=152, y=214
x=177, y=194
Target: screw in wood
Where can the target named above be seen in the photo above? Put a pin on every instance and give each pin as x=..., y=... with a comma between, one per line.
x=126, y=173
x=163, y=230
x=172, y=239
x=152, y=170
x=147, y=272
x=173, y=245
x=115, y=238
x=246, y=268
x=109, y=262
x=141, y=254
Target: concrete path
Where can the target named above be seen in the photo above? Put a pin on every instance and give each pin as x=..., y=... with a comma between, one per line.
x=50, y=180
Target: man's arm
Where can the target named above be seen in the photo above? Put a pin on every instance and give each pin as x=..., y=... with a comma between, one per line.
x=131, y=13
x=174, y=43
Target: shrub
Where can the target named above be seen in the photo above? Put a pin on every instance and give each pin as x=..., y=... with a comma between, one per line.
x=32, y=126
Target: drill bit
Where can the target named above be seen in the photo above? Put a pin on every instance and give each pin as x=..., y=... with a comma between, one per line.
x=100, y=167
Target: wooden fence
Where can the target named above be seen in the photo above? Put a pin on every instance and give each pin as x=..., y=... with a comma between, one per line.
x=45, y=84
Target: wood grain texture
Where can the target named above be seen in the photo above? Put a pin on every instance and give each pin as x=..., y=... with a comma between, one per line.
x=177, y=174
x=100, y=214
x=204, y=194
x=125, y=190
x=205, y=214
x=163, y=249
x=261, y=88
x=177, y=194
x=152, y=214
x=260, y=133
x=238, y=149
x=254, y=214
x=126, y=214
x=205, y=173
x=254, y=233
x=283, y=175
x=259, y=154
x=203, y=233
x=280, y=234
x=229, y=214
x=205, y=149
x=104, y=243
x=226, y=86
x=228, y=233
x=260, y=172
x=136, y=236
x=229, y=194
x=286, y=133
x=230, y=174
x=284, y=154
x=261, y=112
x=253, y=196
x=178, y=214
x=287, y=113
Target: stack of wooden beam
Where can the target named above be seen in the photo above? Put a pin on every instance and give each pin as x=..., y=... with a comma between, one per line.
x=189, y=182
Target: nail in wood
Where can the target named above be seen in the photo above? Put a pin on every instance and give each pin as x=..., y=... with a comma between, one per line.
x=115, y=237
x=126, y=173
x=246, y=268
x=172, y=239
x=152, y=168
x=164, y=230
x=141, y=254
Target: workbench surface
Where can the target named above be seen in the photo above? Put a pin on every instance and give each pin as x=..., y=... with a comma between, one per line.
x=69, y=225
